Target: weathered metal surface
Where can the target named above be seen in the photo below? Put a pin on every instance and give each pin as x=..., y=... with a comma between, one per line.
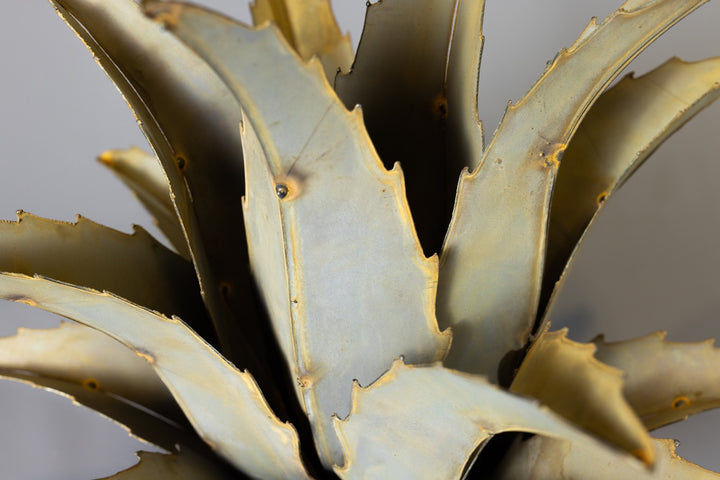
x=224, y=405
x=399, y=80
x=544, y=457
x=138, y=422
x=493, y=256
x=84, y=356
x=622, y=129
x=342, y=309
x=441, y=418
x=565, y=376
x=310, y=27
x=135, y=267
x=144, y=175
x=190, y=118
x=665, y=381
x=183, y=465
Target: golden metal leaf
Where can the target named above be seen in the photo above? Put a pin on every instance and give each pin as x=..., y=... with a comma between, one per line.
x=144, y=175
x=224, y=405
x=399, y=80
x=565, y=376
x=493, y=256
x=83, y=356
x=622, y=129
x=183, y=465
x=666, y=381
x=441, y=418
x=545, y=457
x=310, y=27
x=190, y=118
x=139, y=422
x=341, y=310
x=135, y=267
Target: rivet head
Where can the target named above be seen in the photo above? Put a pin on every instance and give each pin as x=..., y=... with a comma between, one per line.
x=281, y=190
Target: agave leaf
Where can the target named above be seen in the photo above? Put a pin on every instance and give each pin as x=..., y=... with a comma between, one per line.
x=492, y=260
x=315, y=186
x=399, y=80
x=442, y=418
x=543, y=457
x=83, y=356
x=144, y=175
x=622, y=129
x=183, y=465
x=224, y=405
x=666, y=381
x=464, y=129
x=565, y=376
x=135, y=267
x=140, y=423
x=310, y=27
x=188, y=451
x=190, y=119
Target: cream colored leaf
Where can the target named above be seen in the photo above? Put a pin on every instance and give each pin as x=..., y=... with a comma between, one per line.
x=183, y=465
x=190, y=119
x=223, y=404
x=188, y=452
x=399, y=80
x=565, y=376
x=144, y=175
x=139, y=423
x=84, y=356
x=666, y=381
x=310, y=27
x=464, y=129
x=135, y=267
x=543, y=457
x=622, y=129
x=493, y=256
x=441, y=418
x=341, y=309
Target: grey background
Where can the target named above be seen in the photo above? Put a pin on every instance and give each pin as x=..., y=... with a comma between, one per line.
x=649, y=264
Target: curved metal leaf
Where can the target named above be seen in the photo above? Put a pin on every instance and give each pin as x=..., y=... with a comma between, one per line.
x=139, y=423
x=144, y=175
x=310, y=27
x=190, y=118
x=666, y=381
x=621, y=130
x=86, y=357
x=464, y=129
x=183, y=465
x=223, y=404
x=342, y=309
x=565, y=376
x=543, y=457
x=492, y=260
x=441, y=418
x=399, y=80
x=135, y=267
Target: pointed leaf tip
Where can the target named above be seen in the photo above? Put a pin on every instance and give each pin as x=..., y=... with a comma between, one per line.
x=666, y=381
x=545, y=457
x=144, y=175
x=310, y=27
x=566, y=376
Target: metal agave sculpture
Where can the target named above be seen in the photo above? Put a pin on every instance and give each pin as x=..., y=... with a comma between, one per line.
x=299, y=329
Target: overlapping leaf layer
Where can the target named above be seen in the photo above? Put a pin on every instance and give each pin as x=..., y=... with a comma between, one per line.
x=292, y=332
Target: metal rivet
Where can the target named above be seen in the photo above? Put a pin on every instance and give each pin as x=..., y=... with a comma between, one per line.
x=281, y=190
